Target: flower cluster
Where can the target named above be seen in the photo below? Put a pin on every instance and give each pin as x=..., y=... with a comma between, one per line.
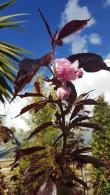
x=66, y=71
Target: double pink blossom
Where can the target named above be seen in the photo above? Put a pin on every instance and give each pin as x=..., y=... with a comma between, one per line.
x=63, y=92
x=66, y=71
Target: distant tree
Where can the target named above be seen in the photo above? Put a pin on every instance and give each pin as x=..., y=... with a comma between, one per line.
x=101, y=146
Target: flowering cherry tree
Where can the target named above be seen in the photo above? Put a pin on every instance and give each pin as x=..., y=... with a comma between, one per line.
x=58, y=176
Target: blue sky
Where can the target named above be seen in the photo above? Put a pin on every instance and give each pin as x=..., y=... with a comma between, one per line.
x=33, y=37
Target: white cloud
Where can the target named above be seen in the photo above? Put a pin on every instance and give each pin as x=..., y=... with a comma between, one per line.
x=74, y=11
x=77, y=41
x=95, y=39
x=98, y=81
x=12, y=110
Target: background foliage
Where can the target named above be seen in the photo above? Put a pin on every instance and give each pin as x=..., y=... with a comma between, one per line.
x=101, y=146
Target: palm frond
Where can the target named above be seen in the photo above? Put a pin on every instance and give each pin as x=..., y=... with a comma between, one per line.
x=10, y=55
x=5, y=5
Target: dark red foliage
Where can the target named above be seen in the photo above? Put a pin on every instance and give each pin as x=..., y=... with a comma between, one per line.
x=80, y=181
x=76, y=110
x=90, y=62
x=27, y=151
x=35, y=164
x=34, y=177
x=40, y=128
x=89, y=159
x=45, y=22
x=73, y=94
x=45, y=60
x=80, y=118
x=30, y=95
x=71, y=27
x=81, y=150
x=82, y=96
x=34, y=106
x=87, y=102
x=21, y=153
x=88, y=125
x=28, y=65
x=37, y=86
x=28, y=68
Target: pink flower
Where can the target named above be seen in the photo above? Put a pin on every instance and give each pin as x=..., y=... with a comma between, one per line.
x=63, y=92
x=66, y=71
x=79, y=73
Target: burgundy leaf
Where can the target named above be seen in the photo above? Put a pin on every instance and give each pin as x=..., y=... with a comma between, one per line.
x=27, y=108
x=89, y=125
x=21, y=153
x=45, y=22
x=90, y=62
x=47, y=188
x=25, y=75
x=33, y=168
x=83, y=95
x=30, y=95
x=35, y=163
x=38, y=157
x=73, y=94
x=72, y=97
x=27, y=65
x=45, y=60
x=30, y=150
x=40, y=105
x=37, y=166
x=76, y=111
x=80, y=118
x=40, y=128
x=87, y=102
x=80, y=181
x=34, y=177
x=81, y=150
x=34, y=106
x=37, y=86
x=71, y=27
x=89, y=159
x=14, y=165
x=28, y=68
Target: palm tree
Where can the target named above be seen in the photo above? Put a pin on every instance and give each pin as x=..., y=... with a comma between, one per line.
x=9, y=56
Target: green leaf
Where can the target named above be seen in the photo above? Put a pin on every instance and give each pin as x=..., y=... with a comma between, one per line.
x=6, y=18
x=5, y=5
